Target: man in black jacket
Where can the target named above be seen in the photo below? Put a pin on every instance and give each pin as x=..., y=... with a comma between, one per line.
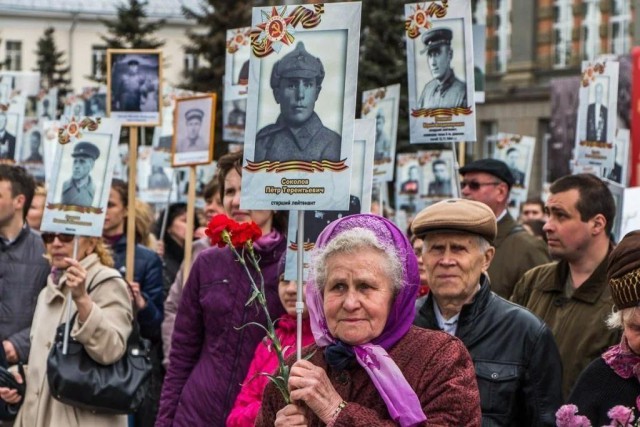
x=517, y=363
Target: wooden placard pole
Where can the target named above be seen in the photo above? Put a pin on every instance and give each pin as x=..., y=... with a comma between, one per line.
x=188, y=240
x=131, y=209
x=300, y=275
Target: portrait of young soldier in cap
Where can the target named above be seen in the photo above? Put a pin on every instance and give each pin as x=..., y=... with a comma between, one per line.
x=79, y=190
x=193, y=140
x=298, y=134
x=129, y=88
x=445, y=90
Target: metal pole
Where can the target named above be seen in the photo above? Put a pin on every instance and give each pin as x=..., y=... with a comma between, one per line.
x=65, y=342
x=299, y=302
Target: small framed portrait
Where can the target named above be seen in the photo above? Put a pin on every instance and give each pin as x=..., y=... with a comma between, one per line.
x=597, y=114
x=619, y=173
x=438, y=172
x=32, y=151
x=74, y=107
x=383, y=104
x=440, y=71
x=236, y=81
x=11, y=130
x=194, y=130
x=47, y=104
x=86, y=153
x=96, y=105
x=517, y=152
x=134, y=91
x=409, y=183
x=302, y=95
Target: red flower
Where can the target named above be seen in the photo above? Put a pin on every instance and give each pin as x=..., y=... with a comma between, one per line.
x=216, y=227
x=242, y=233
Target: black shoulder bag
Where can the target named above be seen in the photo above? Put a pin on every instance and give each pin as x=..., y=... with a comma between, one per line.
x=76, y=379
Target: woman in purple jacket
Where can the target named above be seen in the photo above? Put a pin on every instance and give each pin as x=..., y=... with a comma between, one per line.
x=209, y=356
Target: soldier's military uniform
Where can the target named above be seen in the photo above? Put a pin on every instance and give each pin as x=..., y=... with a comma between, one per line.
x=439, y=188
x=448, y=92
x=308, y=142
x=130, y=89
x=199, y=144
x=73, y=192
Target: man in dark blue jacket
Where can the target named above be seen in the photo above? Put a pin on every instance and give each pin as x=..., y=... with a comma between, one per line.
x=516, y=359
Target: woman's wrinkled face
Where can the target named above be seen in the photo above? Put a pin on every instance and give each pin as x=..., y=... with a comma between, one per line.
x=358, y=295
x=631, y=330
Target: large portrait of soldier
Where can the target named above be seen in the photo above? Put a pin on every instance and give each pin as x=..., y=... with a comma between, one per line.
x=236, y=82
x=440, y=72
x=194, y=126
x=360, y=195
x=134, y=79
x=300, y=107
x=11, y=130
x=79, y=186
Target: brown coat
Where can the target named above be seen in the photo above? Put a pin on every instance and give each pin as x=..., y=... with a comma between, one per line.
x=104, y=335
x=436, y=365
x=517, y=252
x=577, y=323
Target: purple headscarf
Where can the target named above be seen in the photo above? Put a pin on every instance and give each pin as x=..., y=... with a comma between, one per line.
x=402, y=402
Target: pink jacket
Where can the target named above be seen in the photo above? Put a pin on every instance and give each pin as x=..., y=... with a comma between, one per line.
x=247, y=406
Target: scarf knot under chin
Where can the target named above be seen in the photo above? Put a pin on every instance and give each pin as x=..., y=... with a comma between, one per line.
x=624, y=362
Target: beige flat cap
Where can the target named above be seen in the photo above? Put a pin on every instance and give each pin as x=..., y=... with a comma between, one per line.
x=456, y=215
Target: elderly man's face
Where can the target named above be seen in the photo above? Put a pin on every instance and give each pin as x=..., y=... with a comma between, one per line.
x=3, y=121
x=439, y=59
x=297, y=98
x=82, y=166
x=454, y=263
x=357, y=295
x=193, y=128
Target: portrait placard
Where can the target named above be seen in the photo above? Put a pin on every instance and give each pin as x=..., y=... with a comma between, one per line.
x=32, y=150
x=619, y=173
x=440, y=71
x=194, y=120
x=383, y=105
x=479, y=61
x=47, y=104
x=517, y=152
x=630, y=211
x=359, y=194
x=597, y=113
x=95, y=101
x=299, y=133
x=74, y=107
x=438, y=169
x=617, y=191
x=409, y=184
x=236, y=81
x=134, y=80
x=11, y=124
x=50, y=130
x=79, y=188
x=25, y=83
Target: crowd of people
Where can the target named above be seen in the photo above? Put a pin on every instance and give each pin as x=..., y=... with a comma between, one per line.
x=471, y=317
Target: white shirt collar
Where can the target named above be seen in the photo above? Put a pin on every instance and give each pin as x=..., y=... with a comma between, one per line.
x=448, y=325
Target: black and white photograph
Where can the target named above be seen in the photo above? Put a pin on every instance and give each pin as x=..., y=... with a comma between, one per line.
x=479, y=61
x=96, y=105
x=300, y=108
x=597, y=114
x=383, y=105
x=236, y=82
x=619, y=172
x=409, y=184
x=74, y=107
x=517, y=152
x=134, y=79
x=79, y=188
x=9, y=133
x=194, y=130
x=32, y=150
x=47, y=104
x=440, y=65
x=438, y=172
x=360, y=194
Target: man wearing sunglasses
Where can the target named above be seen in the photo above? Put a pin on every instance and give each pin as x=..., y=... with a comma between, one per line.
x=489, y=181
x=23, y=269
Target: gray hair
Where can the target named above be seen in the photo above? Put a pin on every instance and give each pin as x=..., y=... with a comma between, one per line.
x=481, y=243
x=349, y=242
x=615, y=320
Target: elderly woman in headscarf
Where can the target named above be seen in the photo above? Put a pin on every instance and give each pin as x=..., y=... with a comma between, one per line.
x=369, y=365
x=614, y=378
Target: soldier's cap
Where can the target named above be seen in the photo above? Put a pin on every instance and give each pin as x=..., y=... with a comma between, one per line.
x=436, y=37
x=494, y=167
x=133, y=61
x=194, y=113
x=86, y=149
x=297, y=64
x=458, y=216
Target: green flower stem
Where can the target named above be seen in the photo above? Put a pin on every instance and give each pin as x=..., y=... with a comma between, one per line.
x=282, y=378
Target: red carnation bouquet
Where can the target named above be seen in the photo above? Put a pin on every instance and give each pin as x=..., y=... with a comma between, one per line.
x=239, y=237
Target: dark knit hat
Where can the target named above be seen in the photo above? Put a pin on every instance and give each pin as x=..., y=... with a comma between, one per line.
x=494, y=167
x=457, y=215
x=623, y=271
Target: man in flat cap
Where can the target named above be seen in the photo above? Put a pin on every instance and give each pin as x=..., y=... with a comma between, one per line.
x=572, y=295
x=80, y=189
x=298, y=133
x=129, y=88
x=516, y=360
x=489, y=181
x=445, y=90
x=193, y=141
